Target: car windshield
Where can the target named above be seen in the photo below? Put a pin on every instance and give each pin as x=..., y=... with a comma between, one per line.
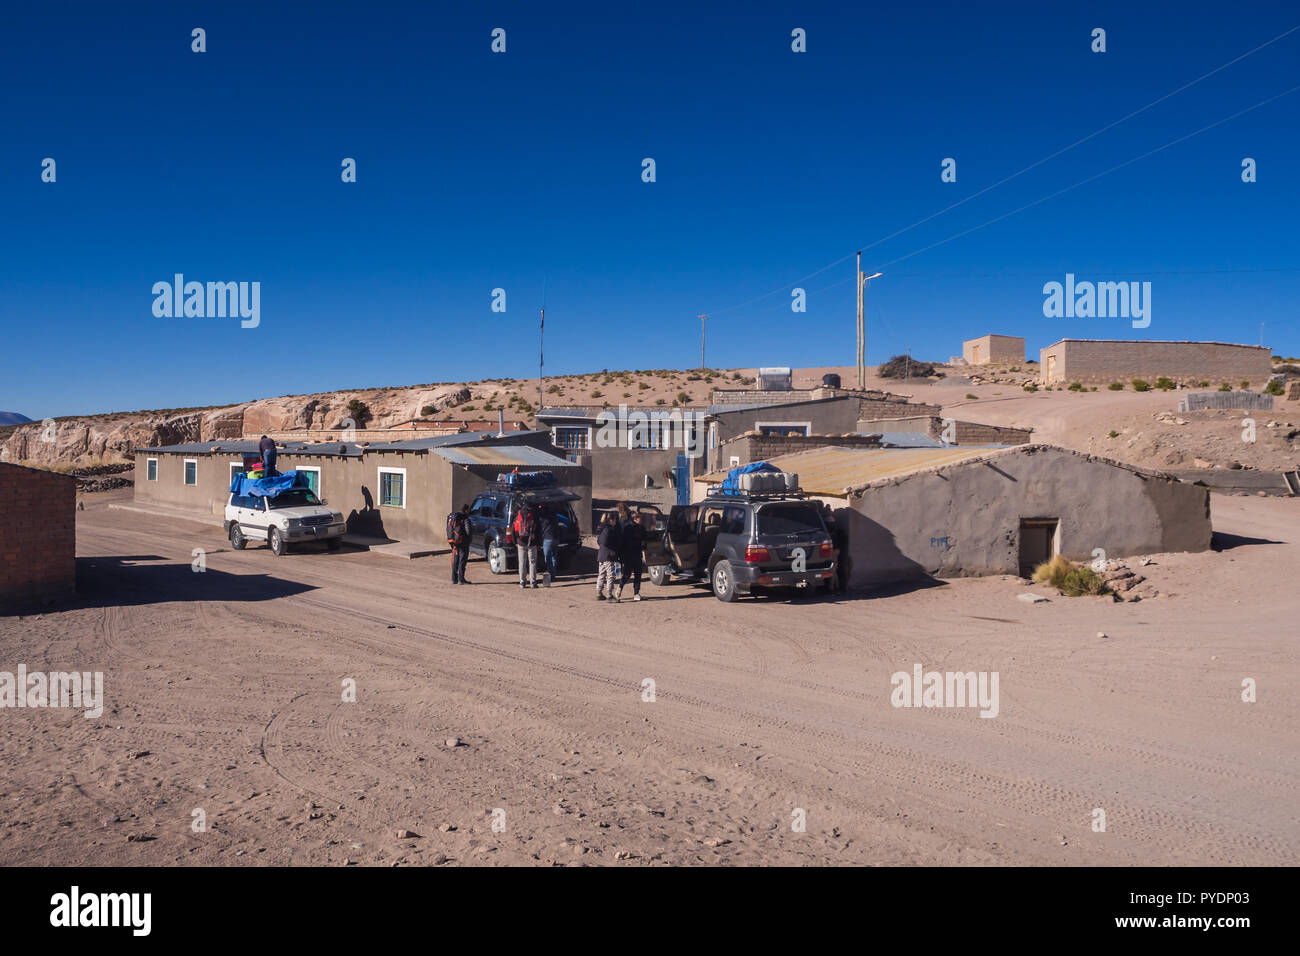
x=789, y=519
x=297, y=498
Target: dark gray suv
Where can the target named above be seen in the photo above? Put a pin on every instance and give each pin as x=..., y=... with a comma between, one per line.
x=740, y=543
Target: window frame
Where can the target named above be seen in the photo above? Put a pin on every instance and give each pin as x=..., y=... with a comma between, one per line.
x=387, y=470
x=185, y=472
x=151, y=465
x=317, y=490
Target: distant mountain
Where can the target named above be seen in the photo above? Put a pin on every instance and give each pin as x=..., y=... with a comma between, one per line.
x=13, y=418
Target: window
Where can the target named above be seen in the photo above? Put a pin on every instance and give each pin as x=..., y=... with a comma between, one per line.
x=236, y=468
x=733, y=520
x=482, y=507
x=392, y=487
x=783, y=428
x=499, y=507
x=191, y=471
x=151, y=469
x=798, y=518
x=572, y=437
x=313, y=478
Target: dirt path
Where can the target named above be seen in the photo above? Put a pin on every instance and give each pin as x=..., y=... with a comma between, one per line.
x=225, y=694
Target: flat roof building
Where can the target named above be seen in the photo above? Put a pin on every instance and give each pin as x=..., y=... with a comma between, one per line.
x=1103, y=361
x=994, y=350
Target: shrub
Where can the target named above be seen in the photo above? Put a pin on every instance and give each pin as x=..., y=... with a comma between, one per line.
x=1076, y=386
x=359, y=412
x=1031, y=387
x=1116, y=386
x=659, y=401
x=1072, y=579
x=1139, y=385
x=428, y=410
x=1093, y=388
x=1245, y=384
x=1202, y=384
x=1225, y=387
x=682, y=399
x=1165, y=383
x=643, y=386
x=1112, y=434
x=900, y=366
x=969, y=395
x=1274, y=388
x=597, y=393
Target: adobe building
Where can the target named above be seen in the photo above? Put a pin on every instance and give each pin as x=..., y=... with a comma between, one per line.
x=994, y=350
x=952, y=512
x=1103, y=361
x=399, y=491
x=38, y=535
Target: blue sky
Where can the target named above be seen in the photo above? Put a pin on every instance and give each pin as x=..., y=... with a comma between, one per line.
x=522, y=171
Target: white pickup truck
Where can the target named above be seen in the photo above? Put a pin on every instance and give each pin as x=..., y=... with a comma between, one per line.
x=291, y=517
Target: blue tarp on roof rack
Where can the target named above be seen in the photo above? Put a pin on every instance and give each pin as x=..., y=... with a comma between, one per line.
x=268, y=487
x=731, y=484
x=521, y=480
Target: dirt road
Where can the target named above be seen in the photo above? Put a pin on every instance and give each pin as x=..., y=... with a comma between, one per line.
x=225, y=695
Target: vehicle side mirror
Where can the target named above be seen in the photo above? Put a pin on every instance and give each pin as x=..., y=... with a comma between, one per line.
x=324, y=501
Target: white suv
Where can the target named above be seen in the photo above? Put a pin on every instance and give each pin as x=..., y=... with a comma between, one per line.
x=291, y=517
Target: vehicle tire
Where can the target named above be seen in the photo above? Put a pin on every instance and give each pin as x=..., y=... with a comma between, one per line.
x=498, y=562
x=237, y=539
x=276, y=540
x=658, y=574
x=334, y=543
x=724, y=581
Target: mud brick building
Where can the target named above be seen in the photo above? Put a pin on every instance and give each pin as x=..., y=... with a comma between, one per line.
x=994, y=350
x=1102, y=361
x=38, y=535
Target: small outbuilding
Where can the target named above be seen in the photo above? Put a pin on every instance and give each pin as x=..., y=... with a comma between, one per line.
x=994, y=350
x=38, y=535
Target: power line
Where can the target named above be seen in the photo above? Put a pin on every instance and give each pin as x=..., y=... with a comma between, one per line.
x=1007, y=179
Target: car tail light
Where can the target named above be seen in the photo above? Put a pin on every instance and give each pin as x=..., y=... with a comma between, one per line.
x=510, y=537
x=756, y=553
x=826, y=551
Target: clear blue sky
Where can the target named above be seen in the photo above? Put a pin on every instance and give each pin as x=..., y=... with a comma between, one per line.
x=518, y=170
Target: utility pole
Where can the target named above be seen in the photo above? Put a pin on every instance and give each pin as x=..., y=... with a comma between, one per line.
x=862, y=370
x=702, y=319
x=541, y=336
x=863, y=282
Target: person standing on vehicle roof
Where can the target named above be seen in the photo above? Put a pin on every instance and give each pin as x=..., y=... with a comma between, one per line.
x=458, y=538
x=267, y=448
x=631, y=539
x=546, y=521
x=525, y=531
x=606, y=553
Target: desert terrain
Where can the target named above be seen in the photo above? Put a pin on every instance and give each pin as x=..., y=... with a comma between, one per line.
x=224, y=695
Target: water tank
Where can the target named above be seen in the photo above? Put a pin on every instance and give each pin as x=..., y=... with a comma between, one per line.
x=831, y=380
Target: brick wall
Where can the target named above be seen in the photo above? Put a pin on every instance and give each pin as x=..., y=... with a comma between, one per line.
x=1102, y=362
x=973, y=433
x=994, y=350
x=38, y=535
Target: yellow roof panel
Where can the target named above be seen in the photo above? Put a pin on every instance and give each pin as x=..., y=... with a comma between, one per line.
x=829, y=471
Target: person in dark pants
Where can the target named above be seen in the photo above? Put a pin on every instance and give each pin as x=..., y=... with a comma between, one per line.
x=546, y=519
x=267, y=447
x=458, y=538
x=630, y=540
x=840, y=544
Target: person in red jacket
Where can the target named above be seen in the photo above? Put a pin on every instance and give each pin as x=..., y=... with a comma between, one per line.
x=526, y=537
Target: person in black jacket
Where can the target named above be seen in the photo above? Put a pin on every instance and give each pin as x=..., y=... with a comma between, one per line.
x=546, y=523
x=606, y=554
x=631, y=540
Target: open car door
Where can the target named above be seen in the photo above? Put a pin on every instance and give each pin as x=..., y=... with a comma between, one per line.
x=682, y=536
x=655, y=548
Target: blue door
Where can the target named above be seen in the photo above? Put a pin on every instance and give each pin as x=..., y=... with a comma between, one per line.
x=683, y=471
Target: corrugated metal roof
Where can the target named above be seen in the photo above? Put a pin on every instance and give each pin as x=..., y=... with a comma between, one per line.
x=503, y=456
x=829, y=471
x=233, y=447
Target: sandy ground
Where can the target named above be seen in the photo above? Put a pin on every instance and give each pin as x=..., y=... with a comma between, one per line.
x=224, y=694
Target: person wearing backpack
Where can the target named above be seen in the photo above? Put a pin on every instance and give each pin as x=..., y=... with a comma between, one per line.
x=606, y=555
x=631, y=539
x=458, y=539
x=525, y=531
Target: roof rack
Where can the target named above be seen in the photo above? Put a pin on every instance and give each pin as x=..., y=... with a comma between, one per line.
x=715, y=492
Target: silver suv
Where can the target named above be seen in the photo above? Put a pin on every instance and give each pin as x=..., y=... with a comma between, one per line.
x=291, y=517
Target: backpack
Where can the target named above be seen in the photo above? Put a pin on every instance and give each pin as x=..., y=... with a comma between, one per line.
x=526, y=525
x=455, y=527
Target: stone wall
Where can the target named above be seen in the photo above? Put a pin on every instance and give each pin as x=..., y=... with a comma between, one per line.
x=38, y=535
